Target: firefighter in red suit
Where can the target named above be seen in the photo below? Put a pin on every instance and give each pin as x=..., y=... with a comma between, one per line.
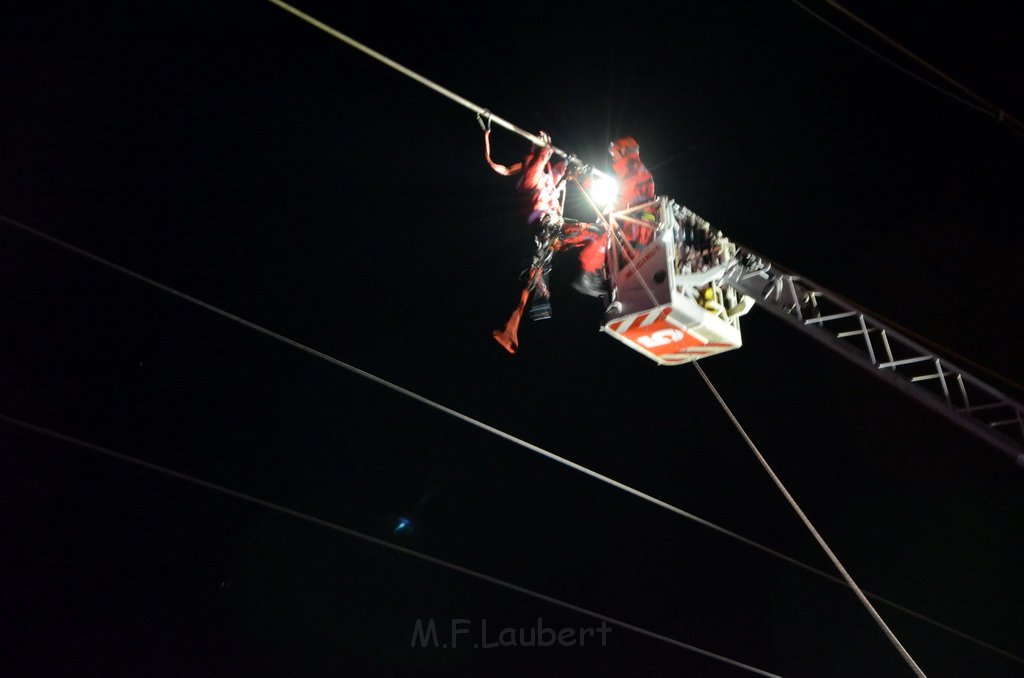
x=542, y=186
x=636, y=186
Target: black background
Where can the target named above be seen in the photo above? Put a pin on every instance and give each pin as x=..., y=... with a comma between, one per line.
x=244, y=157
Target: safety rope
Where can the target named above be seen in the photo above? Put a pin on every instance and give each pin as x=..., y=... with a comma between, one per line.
x=810, y=526
x=374, y=540
x=490, y=429
x=506, y=171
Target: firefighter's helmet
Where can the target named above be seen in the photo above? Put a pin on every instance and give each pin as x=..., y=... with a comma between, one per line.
x=624, y=147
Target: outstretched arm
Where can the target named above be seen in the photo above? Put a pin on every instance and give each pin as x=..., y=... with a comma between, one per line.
x=533, y=165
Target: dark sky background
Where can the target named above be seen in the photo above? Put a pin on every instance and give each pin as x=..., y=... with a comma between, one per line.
x=250, y=160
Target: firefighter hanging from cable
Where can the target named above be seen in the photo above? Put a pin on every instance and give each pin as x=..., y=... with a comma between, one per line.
x=542, y=185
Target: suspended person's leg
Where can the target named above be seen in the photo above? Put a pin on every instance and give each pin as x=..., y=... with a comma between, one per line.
x=508, y=336
x=590, y=280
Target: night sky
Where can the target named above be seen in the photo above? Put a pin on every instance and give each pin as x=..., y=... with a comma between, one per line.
x=241, y=156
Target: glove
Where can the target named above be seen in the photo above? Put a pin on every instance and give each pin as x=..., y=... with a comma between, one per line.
x=576, y=171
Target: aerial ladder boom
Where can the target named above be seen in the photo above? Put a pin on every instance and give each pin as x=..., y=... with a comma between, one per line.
x=920, y=373
x=681, y=297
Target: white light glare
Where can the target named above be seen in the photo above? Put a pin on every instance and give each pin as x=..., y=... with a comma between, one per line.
x=604, y=190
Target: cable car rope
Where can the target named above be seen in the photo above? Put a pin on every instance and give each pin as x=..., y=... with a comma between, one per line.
x=482, y=113
x=273, y=506
x=810, y=526
x=462, y=101
x=490, y=429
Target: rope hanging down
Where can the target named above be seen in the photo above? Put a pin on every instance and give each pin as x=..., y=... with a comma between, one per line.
x=374, y=540
x=807, y=522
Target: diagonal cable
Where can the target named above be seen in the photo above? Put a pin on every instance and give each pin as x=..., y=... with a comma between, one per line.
x=814, y=532
x=490, y=429
x=374, y=540
x=985, y=106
